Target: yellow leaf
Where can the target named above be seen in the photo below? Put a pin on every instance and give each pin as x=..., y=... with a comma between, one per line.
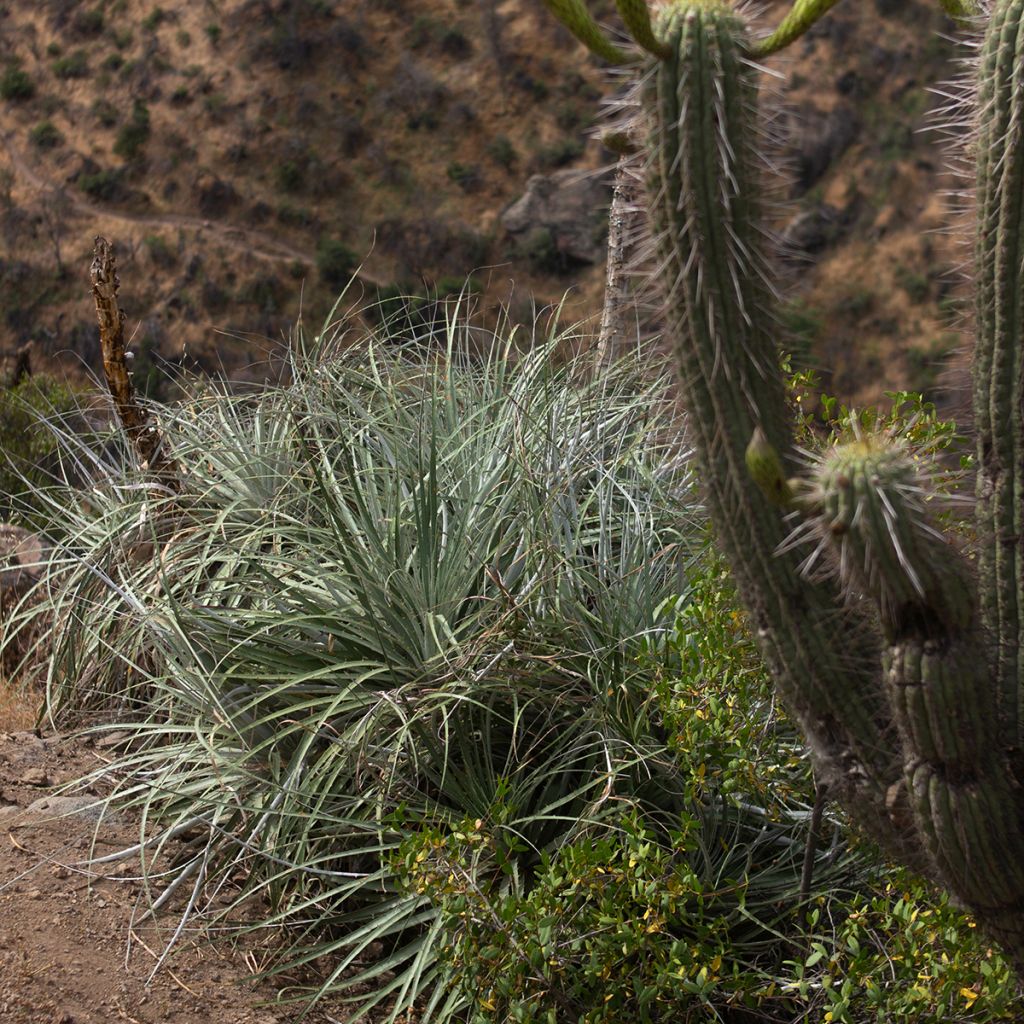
x=969, y=995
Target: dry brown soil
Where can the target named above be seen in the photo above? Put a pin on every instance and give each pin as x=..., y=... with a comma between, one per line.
x=69, y=952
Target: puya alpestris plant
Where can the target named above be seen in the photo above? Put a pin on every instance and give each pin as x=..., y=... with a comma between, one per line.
x=902, y=662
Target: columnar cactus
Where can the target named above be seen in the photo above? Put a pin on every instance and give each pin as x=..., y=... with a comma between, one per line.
x=902, y=664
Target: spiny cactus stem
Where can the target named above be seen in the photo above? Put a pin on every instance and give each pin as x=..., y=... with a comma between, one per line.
x=703, y=186
x=999, y=353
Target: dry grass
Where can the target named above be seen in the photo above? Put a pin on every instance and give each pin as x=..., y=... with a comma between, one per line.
x=19, y=706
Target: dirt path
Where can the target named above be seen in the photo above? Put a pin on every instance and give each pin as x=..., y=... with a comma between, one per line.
x=248, y=240
x=69, y=952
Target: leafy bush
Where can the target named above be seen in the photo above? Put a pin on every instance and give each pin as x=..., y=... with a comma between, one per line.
x=501, y=151
x=16, y=84
x=33, y=415
x=104, y=184
x=74, y=65
x=134, y=134
x=46, y=135
x=335, y=262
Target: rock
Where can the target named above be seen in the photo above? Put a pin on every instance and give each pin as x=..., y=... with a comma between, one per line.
x=35, y=777
x=571, y=206
x=821, y=140
x=90, y=808
x=810, y=232
x=9, y=810
x=112, y=740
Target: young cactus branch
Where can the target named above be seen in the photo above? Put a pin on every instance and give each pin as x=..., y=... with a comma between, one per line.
x=637, y=18
x=802, y=15
x=574, y=15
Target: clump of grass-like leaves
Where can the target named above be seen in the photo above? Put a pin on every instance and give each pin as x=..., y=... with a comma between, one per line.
x=400, y=590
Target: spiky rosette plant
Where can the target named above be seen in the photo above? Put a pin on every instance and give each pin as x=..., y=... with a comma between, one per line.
x=903, y=664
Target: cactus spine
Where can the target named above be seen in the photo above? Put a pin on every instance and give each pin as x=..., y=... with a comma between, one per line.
x=910, y=700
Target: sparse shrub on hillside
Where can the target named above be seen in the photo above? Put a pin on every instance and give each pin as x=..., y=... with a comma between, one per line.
x=213, y=32
x=105, y=112
x=74, y=65
x=16, y=84
x=335, y=262
x=152, y=21
x=134, y=134
x=539, y=250
x=46, y=135
x=466, y=176
x=160, y=253
x=88, y=22
x=502, y=152
x=427, y=247
x=105, y=184
x=558, y=154
x=295, y=216
x=289, y=176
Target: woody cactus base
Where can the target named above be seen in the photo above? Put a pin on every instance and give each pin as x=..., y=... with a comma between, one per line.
x=903, y=665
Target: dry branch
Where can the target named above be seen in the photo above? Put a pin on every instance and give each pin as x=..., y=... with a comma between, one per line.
x=138, y=423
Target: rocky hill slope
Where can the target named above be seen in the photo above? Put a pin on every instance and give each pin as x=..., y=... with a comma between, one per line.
x=247, y=155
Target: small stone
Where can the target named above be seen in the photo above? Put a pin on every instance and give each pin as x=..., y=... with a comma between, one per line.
x=112, y=739
x=35, y=777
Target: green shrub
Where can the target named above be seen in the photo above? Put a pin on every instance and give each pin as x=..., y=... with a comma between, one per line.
x=89, y=22
x=134, y=134
x=560, y=153
x=104, y=184
x=289, y=176
x=105, y=113
x=154, y=19
x=501, y=151
x=466, y=176
x=74, y=65
x=161, y=254
x=16, y=84
x=46, y=135
x=335, y=262
x=31, y=419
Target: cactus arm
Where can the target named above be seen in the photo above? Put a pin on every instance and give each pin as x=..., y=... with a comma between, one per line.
x=965, y=797
x=802, y=15
x=703, y=186
x=998, y=370
x=637, y=18
x=574, y=15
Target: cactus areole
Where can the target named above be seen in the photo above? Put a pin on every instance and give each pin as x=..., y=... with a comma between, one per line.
x=902, y=663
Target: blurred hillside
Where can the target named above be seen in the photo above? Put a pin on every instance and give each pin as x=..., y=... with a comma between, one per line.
x=246, y=155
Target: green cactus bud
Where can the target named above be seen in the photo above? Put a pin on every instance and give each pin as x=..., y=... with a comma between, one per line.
x=765, y=467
